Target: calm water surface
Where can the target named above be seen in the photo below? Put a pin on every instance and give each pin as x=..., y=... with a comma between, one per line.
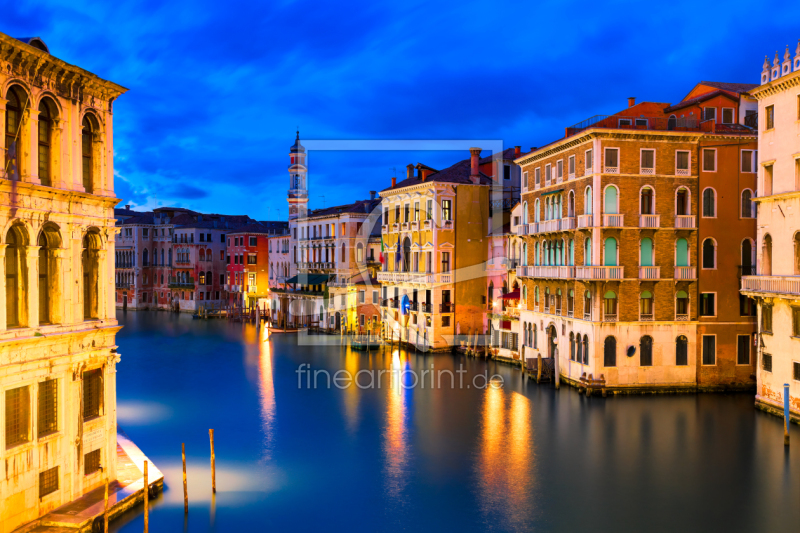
x=522, y=457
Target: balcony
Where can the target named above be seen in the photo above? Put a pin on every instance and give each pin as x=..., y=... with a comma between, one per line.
x=681, y=317
x=649, y=221
x=174, y=283
x=447, y=224
x=551, y=272
x=567, y=223
x=684, y=222
x=426, y=307
x=646, y=318
x=413, y=306
x=523, y=229
x=584, y=221
x=610, y=317
x=621, y=122
x=611, y=170
x=685, y=272
x=550, y=225
x=587, y=316
x=599, y=272
x=649, y=272
x=448, y=307
x=746, y=270
x=613, y=221
x=682, y=172
x=427, y=224
x=780, y=285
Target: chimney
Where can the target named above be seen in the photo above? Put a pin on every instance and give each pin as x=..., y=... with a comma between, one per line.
x=371, y=195
x=533, y=148
x=475, y=173
x=409, y=171
x=517, y=151
x=394, y=181
x=631, y=101
x=127, y=207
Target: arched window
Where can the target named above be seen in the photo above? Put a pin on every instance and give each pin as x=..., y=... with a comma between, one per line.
x=587, y=251
x=548, y=208
x=682, y=305
x=585, y=349
x=16, y=278
x=682, y=202
x=709, y=203
x=681, y=351
x=525, y=254
x=587, y=305
x=87, y=155
x=525, y=213
x=360, y=253
x=535, y=338
x=525, y=297
x=747, y=258
x=646, y=306
x=202, y=278
x=797, y=253
x=610, y=351
x=571, y=252
x=766, y=256
x=681, y=252
x=145, y=256
x=559, y=206
x=571, y=346
x=610, y=203
x=209, y=279
x=646, y=204
x=489, y=295
x=570, y=302
x=536, y=297
x=672, y=122
x=202, y=255
x=646, y=351
x=46, y=116
x=169, y=256
x=536, y=254
x=579, y=349
x=610, y=252
x=646, y=252
x=14, y=119
x=49, y=241
x=709, y=253
x=610, y=306
x=91, y=276
x=748, y=210
x=587, y=201
x=407, y=255
x=536, y=211
x=571, y=204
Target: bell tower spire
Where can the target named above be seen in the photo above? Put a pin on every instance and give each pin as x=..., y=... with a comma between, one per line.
x=298, y=191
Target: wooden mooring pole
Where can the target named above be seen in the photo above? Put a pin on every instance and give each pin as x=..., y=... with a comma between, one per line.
x=213, y=466
x=786, y=414
x=146, y=501
x=185, y=486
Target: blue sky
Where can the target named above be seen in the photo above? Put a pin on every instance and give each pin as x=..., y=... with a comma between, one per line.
x=218, y=88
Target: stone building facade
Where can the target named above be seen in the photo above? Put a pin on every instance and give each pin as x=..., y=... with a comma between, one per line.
x=247, y=278
x=627, y=217
x=57, y=324
x=776, y=284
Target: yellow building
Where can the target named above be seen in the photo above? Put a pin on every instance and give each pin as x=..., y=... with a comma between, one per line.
x=435, y=226
x=57, y=323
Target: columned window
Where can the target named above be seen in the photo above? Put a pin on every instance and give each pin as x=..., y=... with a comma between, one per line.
x=16, y=278
x=91, y=276
x=87, y=154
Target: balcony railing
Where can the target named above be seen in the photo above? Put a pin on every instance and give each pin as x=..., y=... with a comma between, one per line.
x=587, y=316
x=550, y=225
x=175, y=283
x=789, y=285
x=684, y=222
x=649, y=221
x=523, y=229
x=646, y=317
x=680, y=317
x=635, y=123
x=599, y=272
x=567, y=223
x=610, y=317
x=685, y=272
x=613, y=220
x=649, y=272
x=682, y=171
x=584, y=221
x=447, y=307
x=426, y=307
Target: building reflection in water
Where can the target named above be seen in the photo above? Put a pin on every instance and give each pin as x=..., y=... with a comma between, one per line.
x=505, y=469
x=396, y=429
x=266, y=390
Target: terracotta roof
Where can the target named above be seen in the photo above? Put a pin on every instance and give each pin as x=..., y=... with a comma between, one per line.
x=732, y=87
x=139, y=218
x=458, y=173
x=508, y=154
x=698, y=99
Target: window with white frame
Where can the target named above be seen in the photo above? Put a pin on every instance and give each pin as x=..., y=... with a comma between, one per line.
x=647, y=162
x=559, y=170
x=525, y=180
x=749, y=160
x=589, y=162
x=547, y=172
x=727, y=115
x=571, y=166
x=709, y=203
x=537, y=178
x=709, y=160
x=625, y=122
x=612, y=161
x=709, y=113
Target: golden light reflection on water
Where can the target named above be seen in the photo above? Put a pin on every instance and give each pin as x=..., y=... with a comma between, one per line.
x=351, y=395
x=506, y=475
x=267, y=390
x=395, y=431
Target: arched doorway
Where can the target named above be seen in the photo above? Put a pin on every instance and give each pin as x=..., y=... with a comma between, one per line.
x=552, y=341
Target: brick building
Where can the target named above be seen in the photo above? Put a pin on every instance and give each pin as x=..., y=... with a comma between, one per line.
x=637, y=226
x=248, y=260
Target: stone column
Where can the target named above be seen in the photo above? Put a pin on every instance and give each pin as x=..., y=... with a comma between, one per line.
x=57, y=296
x=33, y=143
x=24, y=155
x=3, y=103
x=56, y=172
x=3, y=320
x=32, y=260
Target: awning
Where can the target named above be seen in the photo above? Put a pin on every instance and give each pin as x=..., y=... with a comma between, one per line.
x=551, y=192
x=513, y=295
x=308, y=279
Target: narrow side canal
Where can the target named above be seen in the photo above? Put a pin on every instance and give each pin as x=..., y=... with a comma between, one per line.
x=520, y=457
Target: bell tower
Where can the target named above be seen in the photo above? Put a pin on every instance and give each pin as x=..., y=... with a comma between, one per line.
x=298, y=192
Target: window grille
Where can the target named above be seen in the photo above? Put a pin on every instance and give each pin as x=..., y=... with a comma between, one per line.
x=48, y=407
x=48, y=482
x=17, y=416
x=91, y=462
x=796, y=371
x=766, y=362
x=92, y=393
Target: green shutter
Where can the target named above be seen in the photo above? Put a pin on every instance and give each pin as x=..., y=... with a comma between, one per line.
x=682, y=253
x=610, y=252
x=646, y=253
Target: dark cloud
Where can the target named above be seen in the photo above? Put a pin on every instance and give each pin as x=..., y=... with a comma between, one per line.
x=217, y=89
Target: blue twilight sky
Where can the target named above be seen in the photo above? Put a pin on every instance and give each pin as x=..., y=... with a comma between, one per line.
x=218, y=88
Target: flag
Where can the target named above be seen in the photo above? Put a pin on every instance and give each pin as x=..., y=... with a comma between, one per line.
x=382, y=258
x=399, y=254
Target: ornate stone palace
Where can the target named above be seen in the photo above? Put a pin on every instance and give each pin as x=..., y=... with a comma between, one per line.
x=57, y=326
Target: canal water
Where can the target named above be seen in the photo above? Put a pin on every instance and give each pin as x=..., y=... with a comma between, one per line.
x=473, y=458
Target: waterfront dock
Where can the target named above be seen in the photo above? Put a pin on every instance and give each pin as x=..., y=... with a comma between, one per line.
x=85, y=514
